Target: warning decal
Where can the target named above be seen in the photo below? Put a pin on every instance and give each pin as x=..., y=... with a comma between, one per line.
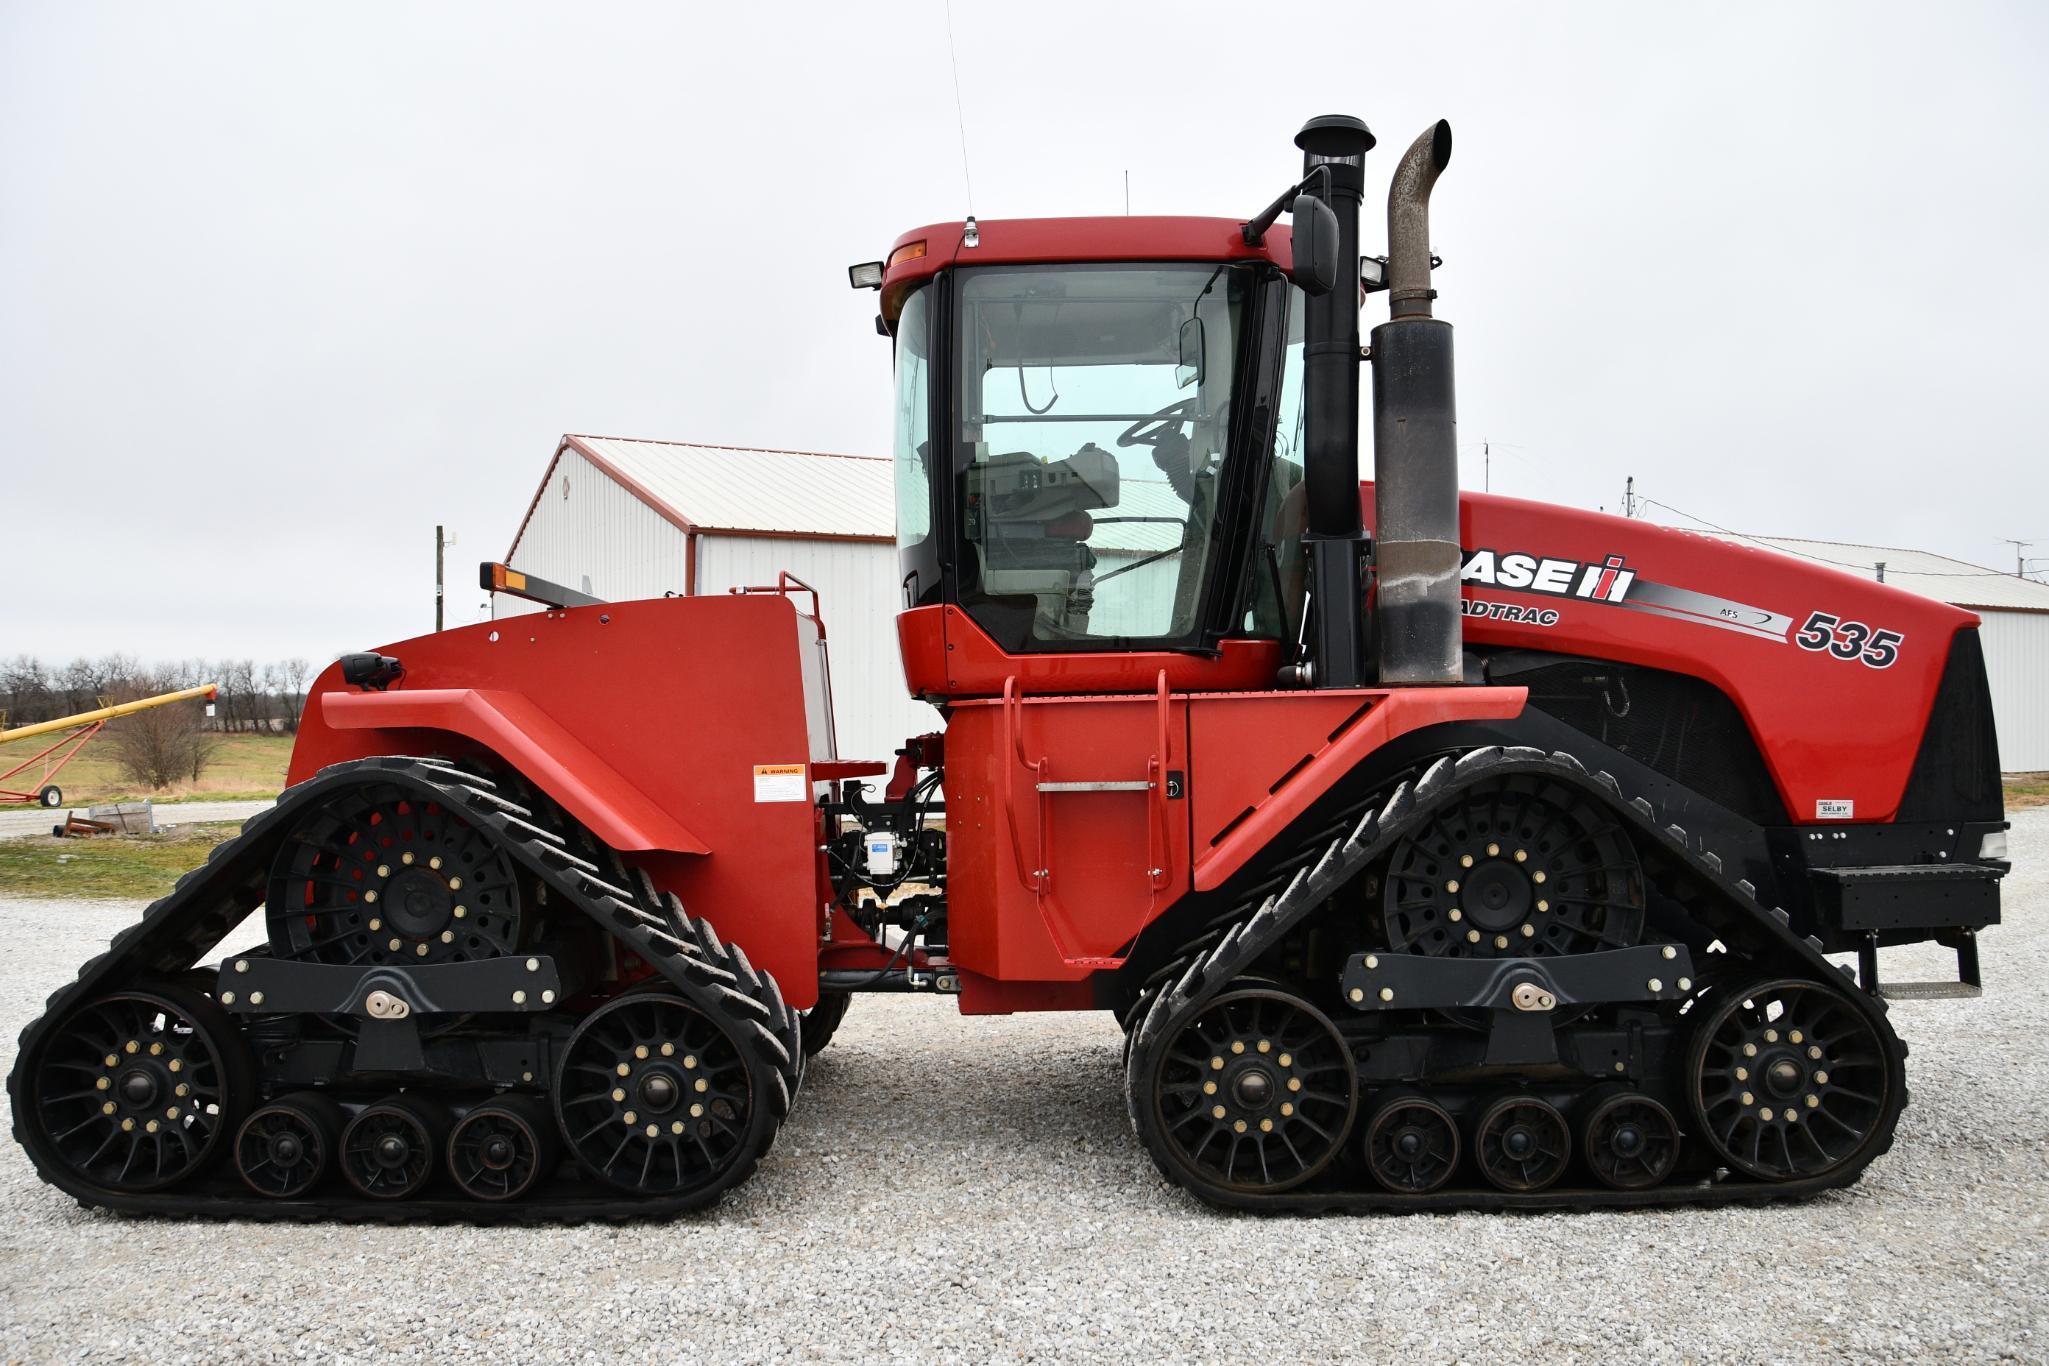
x=780, y=783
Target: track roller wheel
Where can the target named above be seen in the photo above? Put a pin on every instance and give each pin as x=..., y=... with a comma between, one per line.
x=390, y=1150
x=1522, y=1144
x=1630, y=1141
x=1791, y=1079
x=500, y=1150
x=1412, y=1145
x=655, y=1098
x=135, y=1091
x=1256, y=1095
x=287, y=1147
x=822, y=1021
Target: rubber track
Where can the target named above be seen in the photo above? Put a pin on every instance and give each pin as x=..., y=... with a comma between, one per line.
x=1259, y=922
x=207, y=902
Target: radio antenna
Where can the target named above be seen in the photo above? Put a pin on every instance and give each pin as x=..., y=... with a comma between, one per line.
x=953, y=59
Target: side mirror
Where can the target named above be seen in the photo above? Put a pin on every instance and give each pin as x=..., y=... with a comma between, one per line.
x=1316, y=245
x=1188, y=370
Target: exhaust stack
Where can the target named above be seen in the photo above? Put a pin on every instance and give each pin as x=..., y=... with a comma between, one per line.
x=1417, y=558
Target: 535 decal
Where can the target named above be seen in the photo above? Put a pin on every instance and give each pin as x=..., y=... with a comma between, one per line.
x=1849, y=640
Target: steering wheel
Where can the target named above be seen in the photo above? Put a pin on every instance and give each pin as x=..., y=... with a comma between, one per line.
x=1148, y=431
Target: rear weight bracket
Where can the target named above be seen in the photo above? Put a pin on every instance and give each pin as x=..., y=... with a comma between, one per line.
x=1414, y=981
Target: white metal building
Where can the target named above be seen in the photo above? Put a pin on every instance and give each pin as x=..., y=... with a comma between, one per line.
x=2015, y=633
x=623, y=519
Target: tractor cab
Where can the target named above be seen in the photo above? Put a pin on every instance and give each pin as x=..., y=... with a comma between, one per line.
x=1098, y=455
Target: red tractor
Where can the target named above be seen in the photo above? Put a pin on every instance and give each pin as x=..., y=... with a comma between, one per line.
x=1434, y=850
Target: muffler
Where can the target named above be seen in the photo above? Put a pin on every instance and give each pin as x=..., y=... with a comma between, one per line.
x=1417, y=627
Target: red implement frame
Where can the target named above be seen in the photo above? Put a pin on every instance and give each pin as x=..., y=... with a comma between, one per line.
x=75, y=740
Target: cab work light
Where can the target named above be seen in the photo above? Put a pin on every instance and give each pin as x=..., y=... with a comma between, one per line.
x=867, y=275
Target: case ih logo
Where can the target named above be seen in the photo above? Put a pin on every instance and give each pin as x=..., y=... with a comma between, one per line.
x=1608, y=580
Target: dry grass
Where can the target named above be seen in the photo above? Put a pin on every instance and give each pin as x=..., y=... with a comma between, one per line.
x=141, y=867
x=244, y=768
x=2024, y=790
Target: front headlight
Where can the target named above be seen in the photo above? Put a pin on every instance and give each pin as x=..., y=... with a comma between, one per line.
x=1993, y=846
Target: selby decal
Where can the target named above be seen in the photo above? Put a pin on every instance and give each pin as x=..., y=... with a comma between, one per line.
x=1508, y=611
x=1606, y=580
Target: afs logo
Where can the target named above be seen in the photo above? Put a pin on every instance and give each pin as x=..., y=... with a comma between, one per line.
x=1606, y=580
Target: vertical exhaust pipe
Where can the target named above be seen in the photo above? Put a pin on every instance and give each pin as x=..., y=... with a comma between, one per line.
x=1417, y=558
x=1335, y=539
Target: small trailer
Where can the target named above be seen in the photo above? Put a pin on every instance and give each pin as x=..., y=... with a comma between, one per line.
x=72, y=733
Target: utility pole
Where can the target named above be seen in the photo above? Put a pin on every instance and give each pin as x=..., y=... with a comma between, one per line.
x=1127, y=193
x=1629, y=496
x=1881, y=571
x=1486, y=468
x=2020, y=562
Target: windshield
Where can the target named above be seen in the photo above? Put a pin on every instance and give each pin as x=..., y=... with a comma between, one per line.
x=1095, y=404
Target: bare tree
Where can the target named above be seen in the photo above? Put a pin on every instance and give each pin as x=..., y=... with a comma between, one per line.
x=163, y=745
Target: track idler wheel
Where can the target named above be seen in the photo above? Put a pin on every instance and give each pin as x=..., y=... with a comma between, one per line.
x=499, y=1151
x=288, y=1147
x=136, y=1091
x=1629, y=1140
x=1522, y=1144
x=1257, y=1094
x=391, y=1149
x=1791, y=1079
x=654, y=1097
x=1412, y=1144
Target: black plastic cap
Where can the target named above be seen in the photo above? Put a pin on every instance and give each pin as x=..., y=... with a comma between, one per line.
x=1335, y=135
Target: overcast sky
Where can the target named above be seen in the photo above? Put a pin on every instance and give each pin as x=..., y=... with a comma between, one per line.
x=283, y=287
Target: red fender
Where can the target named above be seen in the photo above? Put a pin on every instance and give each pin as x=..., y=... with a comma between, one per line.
x=512, y=727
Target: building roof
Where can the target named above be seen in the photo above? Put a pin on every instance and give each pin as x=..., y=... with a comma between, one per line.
x=743, y=490
x=1957, y=582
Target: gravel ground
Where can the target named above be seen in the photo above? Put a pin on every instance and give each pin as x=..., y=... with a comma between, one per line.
x=970, y=1189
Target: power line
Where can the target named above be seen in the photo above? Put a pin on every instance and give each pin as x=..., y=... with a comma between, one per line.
x=1823, y=559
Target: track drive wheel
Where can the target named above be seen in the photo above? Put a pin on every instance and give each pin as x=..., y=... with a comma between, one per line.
x=498, y=1151
x=1791, y=1079
x=657, y=1098
x=1522, y=1144
x=1412, y=1144
x=391, y=1149
x=288, y=1147
x=135, y=1091
x=1255, y=1095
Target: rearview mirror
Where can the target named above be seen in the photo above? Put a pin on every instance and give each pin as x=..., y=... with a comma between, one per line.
x=1316, y=245
x=1189, y=368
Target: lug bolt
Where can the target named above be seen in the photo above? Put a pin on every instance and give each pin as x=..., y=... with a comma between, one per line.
x=1456, y=914
x=653, y=1129
x=181, y=1089
x=241, y=965
x=1748, y=1099
x=1287, y=1059
x=227, y=998
x=455, y=884
x=1771, y=1036
x=1814, y=1052
x=397, y=944
x=1237, y=1045
x=103, y=1083
x=624, y=1070
x=460, y=911
x=434, y=862
x=1543, y=905
x=375, y=923
x=1372, y=960
x=171, y=1113
x=697, y=1112
x=1537, y=876
x=420, y=950
x=406, y=858
x=1764, y=1112
x=1387, y=993
x=1209, y=1088
x=533, y=965
x=127, y=1126
x=1812, y=1100
x=632, y=1118
x=676, y=1127
x=255, y=998
x=1668, y=952
x=108, y=1108
x=150, y=1127
x=1266, y=1126
x=1796, y=1037
x=548, y=998
x=1821, y=1078
x=1493, y=851
x=448, y=936
x=131, y=1046
x=1750, y=1050
x=689, y=1060
x=618, y=1095
x=1472, y=936
x=1238, y=1126
x=640, y=1050
x=1500, y=941
x=1287, y=1107
x=1265, y=1046
x=178, y=1064
x=1465, y=860
x=113, y=1060
x=519, y=998
x=1656, y=986
x=1294, y=1083
x=1216, y=1064
x=1216, y=1112
x=1522, y=856
x=1743, y=1074
x=1686, y=984
x=370, y=896
x=1451, y=886
x=668, y=1050
x=1529, y=931
x=384, y=870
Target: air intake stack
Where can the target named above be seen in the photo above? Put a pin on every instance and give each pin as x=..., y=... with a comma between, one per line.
x=1417, y=557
